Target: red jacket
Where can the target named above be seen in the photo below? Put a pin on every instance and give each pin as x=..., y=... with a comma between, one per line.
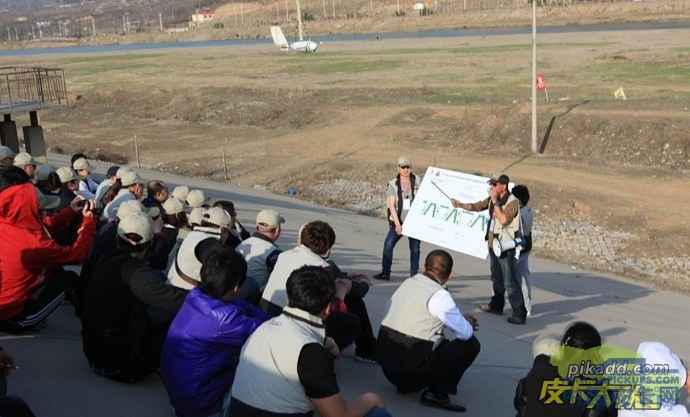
x=27, y=252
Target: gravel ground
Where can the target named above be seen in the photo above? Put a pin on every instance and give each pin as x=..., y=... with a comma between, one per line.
x=578, y=242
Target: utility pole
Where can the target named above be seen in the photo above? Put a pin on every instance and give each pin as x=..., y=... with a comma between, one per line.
x=160, y=22
x=124, y=24
x=93, y=26
x=242, y=13
x=300, y=29
x=287, y=11
x=333, y=6
x=9, y=37
x=325, y=12
x=534, y=77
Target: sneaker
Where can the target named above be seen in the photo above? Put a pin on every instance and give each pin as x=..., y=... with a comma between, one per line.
x=516, y=320
x=443, y=401
x=383, y=276
x=488, y=309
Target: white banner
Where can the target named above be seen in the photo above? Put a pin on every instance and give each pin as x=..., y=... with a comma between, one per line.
x=433, y=219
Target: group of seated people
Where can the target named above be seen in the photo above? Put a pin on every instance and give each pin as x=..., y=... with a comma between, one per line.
x=171, y=282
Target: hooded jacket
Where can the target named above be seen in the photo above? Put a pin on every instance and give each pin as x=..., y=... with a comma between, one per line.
x=28, y=254
x=202, y=350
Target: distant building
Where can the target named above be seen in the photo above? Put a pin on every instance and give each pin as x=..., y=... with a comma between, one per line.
x=203, y=16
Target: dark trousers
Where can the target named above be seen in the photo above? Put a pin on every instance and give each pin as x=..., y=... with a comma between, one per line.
x=440, y=371
x=365, y=342
x=505, y=278
x=392, y=239
x=344, y=328
x=42, y=303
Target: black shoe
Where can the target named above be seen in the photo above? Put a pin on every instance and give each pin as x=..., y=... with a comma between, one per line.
x=443, y=401
x=516, y=320
x=488, y=309
x=383, y=277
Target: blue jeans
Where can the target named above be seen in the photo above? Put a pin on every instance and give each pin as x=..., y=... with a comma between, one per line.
x=392, y=239
x=378, y=412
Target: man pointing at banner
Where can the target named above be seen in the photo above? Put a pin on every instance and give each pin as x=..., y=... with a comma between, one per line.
x=504, y=224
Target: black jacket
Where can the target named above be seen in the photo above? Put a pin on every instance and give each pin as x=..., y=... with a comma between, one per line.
x=528, y=404
x=121, y=339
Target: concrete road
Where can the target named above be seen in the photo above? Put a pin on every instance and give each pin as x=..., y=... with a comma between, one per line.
x=54, y=378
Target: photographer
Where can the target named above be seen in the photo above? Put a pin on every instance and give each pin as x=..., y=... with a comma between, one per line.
x=504, y=224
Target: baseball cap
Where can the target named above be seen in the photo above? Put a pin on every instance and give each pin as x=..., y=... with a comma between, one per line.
x=196, y=198
x=181, y=192
x=43, y=172
x=47, y=202
x=138, y=224
x=22, y=159
x=121, y=171
x=129, y=208
x=217, y=216
x=404, y=161
x=66, y=174
x=270, y=218
x=129, y=178
x=173, y=206
x=501, y=179
x=80, y=164
x=6, y=152
x=112, y=171
x=196, y=216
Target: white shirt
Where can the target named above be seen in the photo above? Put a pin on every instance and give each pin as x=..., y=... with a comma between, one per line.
x=442, y=306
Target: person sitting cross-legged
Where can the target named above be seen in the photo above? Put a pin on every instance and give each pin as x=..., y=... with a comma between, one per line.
x=412, y=349
x=287, y=367
x=203, y=344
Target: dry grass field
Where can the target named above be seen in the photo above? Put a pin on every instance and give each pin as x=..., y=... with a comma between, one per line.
x=613, y=178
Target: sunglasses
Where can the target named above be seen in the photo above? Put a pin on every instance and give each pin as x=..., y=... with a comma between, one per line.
x=404, y=167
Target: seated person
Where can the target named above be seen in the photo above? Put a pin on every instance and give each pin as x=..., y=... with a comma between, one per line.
x=157, y=194
x=660, y=355
x=10, y=406
x=130, y=187
x=287, y=368
x=412, y=349
x=202, y=348
x=237, y=227
x=261, y=253
x=186, y=268
x=6, y=156
x=87, y=185
x=173, y=217
x=127, y=307
x=316, y=240
x=32, y=282
x=107, y=183
x=579, y=336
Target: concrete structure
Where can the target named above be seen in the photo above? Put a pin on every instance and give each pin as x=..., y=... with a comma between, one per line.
x=203, y=16
x=54, y=378
x=8, y=133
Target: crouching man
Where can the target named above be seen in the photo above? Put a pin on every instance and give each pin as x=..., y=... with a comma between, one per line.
x=412, y=349
x=287, y=366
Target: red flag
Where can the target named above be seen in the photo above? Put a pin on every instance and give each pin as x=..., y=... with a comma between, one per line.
x=541, y=83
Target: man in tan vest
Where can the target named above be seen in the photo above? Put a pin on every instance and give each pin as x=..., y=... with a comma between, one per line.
x=504, y=224
x=425, y=342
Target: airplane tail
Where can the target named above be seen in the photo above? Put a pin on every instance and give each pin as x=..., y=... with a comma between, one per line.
x=279, y=38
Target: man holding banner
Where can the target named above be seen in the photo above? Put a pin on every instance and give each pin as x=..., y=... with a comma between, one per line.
x=504, y=224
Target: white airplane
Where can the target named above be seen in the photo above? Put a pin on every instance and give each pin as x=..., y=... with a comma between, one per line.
x=301, y=45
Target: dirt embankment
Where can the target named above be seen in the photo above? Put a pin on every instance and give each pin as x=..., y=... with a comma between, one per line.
x=596, y=189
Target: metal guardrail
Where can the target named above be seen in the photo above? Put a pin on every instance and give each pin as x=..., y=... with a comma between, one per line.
x=31, y=88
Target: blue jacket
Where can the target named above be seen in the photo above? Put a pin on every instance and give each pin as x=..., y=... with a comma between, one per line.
x=202, y=349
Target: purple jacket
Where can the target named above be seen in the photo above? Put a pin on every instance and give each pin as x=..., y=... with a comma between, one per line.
x=202, y=350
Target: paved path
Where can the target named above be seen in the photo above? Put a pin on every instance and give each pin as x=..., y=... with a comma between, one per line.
x=54, y=377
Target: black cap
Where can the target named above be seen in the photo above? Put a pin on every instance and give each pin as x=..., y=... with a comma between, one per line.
x=502, y=179
x=112, y=171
